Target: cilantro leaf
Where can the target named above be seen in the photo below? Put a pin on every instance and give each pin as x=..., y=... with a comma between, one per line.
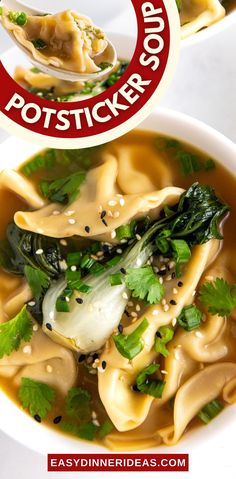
x=105, y=429
x=37, y=280
x=86, y=431
x=131, y=345
x=152, y=387
x=144, y=284
x=36, y=397
x=14, y=331
x=77, y=403
x=219, y=296
x=64, y=190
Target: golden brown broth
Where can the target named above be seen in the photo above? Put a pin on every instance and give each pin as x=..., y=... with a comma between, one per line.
x=225, y=185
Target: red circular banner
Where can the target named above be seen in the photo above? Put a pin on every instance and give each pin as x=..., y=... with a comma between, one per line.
x=110, y=109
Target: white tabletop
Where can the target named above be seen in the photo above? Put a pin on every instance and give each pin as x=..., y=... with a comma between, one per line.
x=204, y=87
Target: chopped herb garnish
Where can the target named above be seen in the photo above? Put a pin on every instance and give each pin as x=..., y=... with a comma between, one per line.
x=74, y=259
x=125, y=231
x=163, y=337
x=146, y=385
x=14, y=331
x=209, y=165
x=37, y=397
x=218, y=296
x=105, y=429
x=189, y=162
x=19, y=18
x=115, y=279
x=77, y=403
x=74, y=282
x=86, y=431
x=37, y=280
x=144, y=284
x=64, y=190
x=210, y=411
x=131, y=345
x=39, y=43
x=182, y=252
x=190, y=318
x=105, y=65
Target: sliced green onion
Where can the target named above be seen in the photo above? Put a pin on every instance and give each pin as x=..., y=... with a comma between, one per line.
x=146, y=385
x=131, y=345
x=190, y=318
x=125, y=232
x=211, y=410
x=209, y=165
x=87, y=262
x=163, y=245
x=97, y=269
x=39, y=43
x=163, y=336
x=74, y=259
x=182, y=252
x=63, y=306
x=115, y=279
x=114, y=261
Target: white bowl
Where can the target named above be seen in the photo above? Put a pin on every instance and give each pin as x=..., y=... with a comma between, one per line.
x=218, y=27
x=17, y=423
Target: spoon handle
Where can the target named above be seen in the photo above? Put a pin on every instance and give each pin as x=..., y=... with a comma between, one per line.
x=17, y=5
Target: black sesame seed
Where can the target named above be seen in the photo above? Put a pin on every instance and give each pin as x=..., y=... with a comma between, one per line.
x=135, y=388
x=122, y=270
x=37, y=418
x=106, y=248
x=104, y=222
x=103, y=214
x=79, y=300
x=120, y=328
x=158, y=334
x=57, y=419
x=127, y=313
x=180, y=284
x=82, y=358
x=162, y=272
x=49, y=326
x=173, y=275
x=87, y=229
x=172, y=301
x=104, y=364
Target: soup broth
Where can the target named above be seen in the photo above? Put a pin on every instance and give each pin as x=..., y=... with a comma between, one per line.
x=161, y=162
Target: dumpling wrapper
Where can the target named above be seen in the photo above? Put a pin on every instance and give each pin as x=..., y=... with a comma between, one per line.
x=198, y=14
x=100, y=187
x=72, y=41
x=126, y=408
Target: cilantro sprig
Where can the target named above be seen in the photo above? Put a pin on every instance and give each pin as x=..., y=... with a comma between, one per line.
x=38, y=281
x=37, y=397
x=14, y=331
x=64, y=190
x=218, y=296
x=144, y=284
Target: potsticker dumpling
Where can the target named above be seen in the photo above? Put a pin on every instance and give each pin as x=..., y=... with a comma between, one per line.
x=64, y=40
x=198, y=14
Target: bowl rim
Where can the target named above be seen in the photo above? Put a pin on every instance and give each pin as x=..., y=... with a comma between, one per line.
x=16, y=423
x=208, y=32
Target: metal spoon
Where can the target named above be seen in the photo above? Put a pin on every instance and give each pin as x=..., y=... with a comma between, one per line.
x=109, y=55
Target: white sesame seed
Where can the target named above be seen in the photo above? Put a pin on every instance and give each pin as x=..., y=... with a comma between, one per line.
x=113, y=234
x=73, y=268
x=174, y=322
x=163, y=301
x=130, y=303
x=137, y=307
x=163, y=371
x=112, y=203
x=63, y=265
x=71, y=221
x=35, y=327
x=134, y=320
x=119, y=251
x=125, y=296
x=138, y=237
x=56, y=212
x=123, y=241
x=69, y=213
x=39, y=231
x=67, y=299
x=49, y=368
x=171, y=264
x=39, y=251
x=96, y=422
x=63, y=242
x=169, y=278
x=161, y=259
x=175, y=291
x=110, y=214
x=198, y=334
x=27, y=349
x=94, y=414
x=51, y=315
x=116, y=214
x=209, y=278
x=156, y=269
x=134, y=314
x=193, y=293
x=161, y=280
x=122, y=202
x=32, y=303
x=139, y=262
x=166, y=307
x=155, y=312
x=99, y=254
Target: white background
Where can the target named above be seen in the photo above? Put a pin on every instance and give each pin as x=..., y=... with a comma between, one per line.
x=204, y=86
